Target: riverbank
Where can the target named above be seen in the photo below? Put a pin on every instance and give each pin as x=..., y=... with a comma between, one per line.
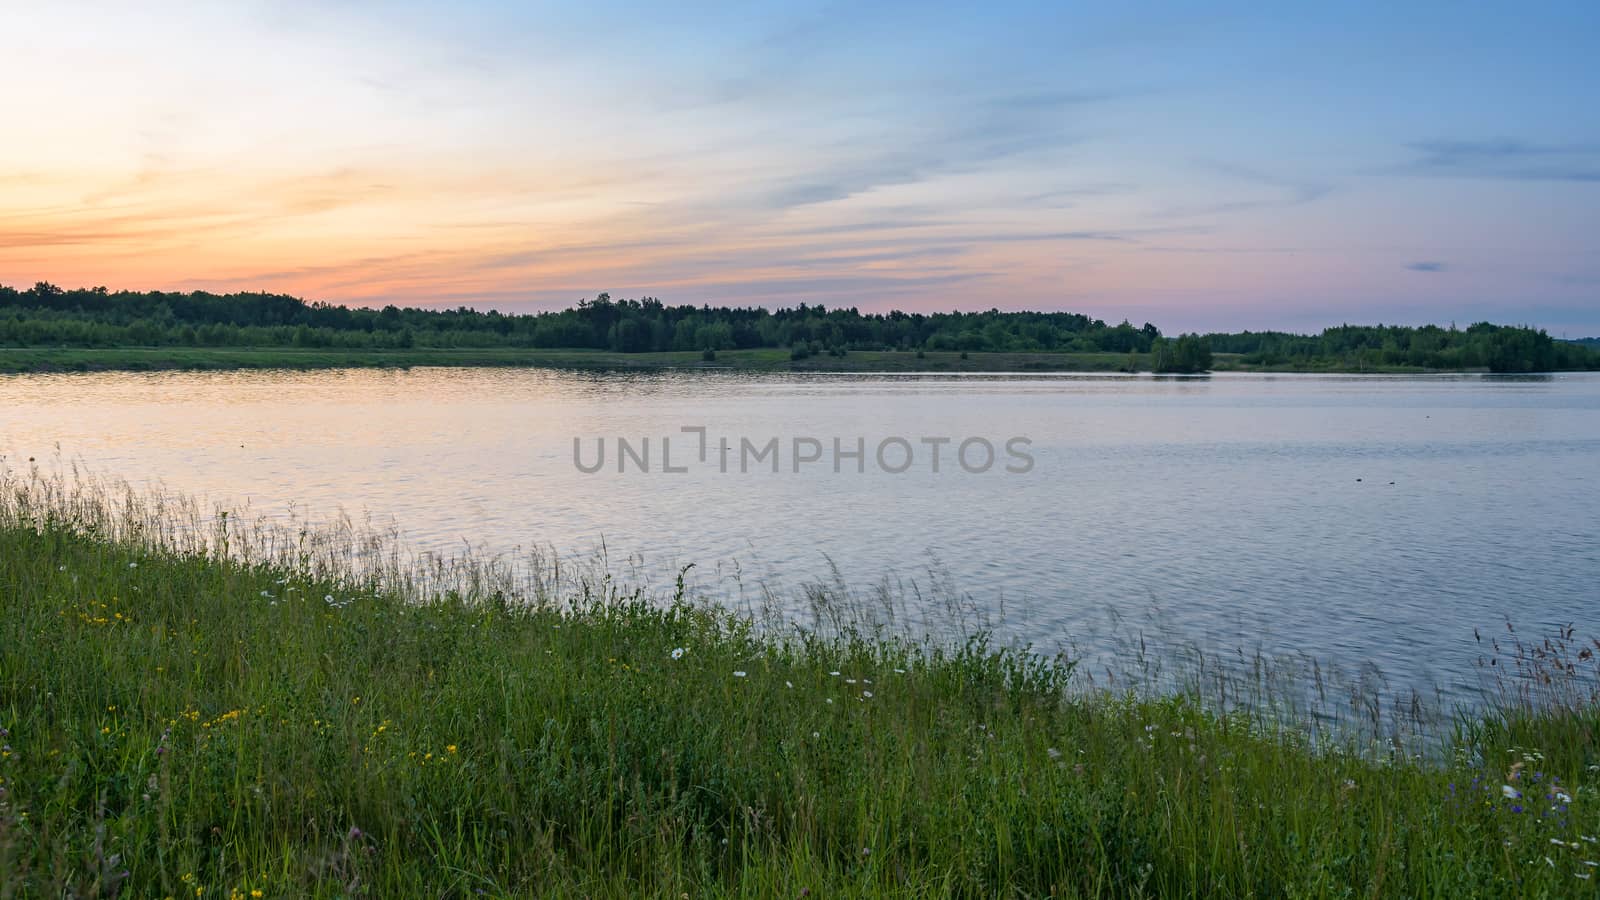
x=144, y=359
x=178, y=723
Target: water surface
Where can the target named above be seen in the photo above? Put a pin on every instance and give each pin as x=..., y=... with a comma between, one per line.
x=1354, y=518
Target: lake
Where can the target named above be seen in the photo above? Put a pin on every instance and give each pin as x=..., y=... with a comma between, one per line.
x=1353, y=518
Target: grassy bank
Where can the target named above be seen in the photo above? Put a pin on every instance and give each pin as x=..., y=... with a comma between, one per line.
x=178, y=724
x=202, y=358
x=145, y=359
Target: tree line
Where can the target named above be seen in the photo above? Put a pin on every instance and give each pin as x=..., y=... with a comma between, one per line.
x=48, y=316
x=1498, y=348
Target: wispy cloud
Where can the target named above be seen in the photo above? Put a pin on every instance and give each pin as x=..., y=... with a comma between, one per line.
x=1284, y=191
x=1505, y=158
x=1426, y=266
x=970, y=134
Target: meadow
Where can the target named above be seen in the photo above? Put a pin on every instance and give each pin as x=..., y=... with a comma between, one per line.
x=195, y=705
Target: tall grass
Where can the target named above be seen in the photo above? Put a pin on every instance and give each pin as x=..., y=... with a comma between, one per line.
x=202, y=705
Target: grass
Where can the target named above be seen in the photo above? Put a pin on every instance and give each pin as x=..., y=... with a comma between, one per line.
x=144, y=359
x=207, y=358
x=194, y=706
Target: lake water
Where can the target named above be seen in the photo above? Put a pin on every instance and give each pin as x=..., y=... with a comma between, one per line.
x=1353, y=518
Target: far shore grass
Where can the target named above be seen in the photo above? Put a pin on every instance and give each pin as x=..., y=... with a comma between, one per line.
x=278, y=721
x=35, y=359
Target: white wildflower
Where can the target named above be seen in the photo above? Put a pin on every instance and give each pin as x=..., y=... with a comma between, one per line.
x=677, y=652
x=1509, y=792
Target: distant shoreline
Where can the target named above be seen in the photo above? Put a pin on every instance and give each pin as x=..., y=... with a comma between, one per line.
x=143, y=359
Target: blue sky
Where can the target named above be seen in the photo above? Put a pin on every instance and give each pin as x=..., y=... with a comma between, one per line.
x=1194, y=165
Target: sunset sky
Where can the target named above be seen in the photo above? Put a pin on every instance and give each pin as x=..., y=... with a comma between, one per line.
x=1199, y=165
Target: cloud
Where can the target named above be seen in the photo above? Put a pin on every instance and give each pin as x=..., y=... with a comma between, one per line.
x=992, y=129
x=1505, y=158
x=1426, y=266
x=1288, y=191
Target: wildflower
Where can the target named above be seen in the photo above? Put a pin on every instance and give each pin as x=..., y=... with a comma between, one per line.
x=849, y=681
x=816, y=734
x=256, y=892
x=133, y=565
x=328, y=599
x=1562, y=797
x=738, y=673
x=828, y=701
x=867, y=694
x=899, y=671
x=834, y=674
x=1509, y=792
x=788, y=684
x=1053, y=753
x=677, y=653
x=450, y=749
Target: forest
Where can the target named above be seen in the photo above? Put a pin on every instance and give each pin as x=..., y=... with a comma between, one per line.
x=46, y=315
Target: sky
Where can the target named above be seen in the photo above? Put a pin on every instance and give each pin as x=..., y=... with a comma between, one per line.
x=1201, y=166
